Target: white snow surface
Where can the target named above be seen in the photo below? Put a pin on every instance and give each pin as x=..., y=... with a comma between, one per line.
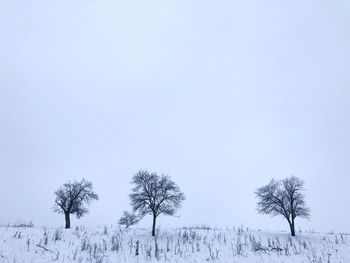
x=192, y=244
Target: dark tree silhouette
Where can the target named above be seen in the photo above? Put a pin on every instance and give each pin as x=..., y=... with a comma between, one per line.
x=128, y=219
x=284, y=197
x=72, y=198
x=155, y=195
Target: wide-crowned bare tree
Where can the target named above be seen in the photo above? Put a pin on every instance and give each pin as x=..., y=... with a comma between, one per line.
x=155, y=195
x=72, y=198
x=284, y=197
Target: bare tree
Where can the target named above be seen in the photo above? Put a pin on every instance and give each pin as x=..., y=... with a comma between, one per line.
x=72, y=198
x=284, y=197
x=155, y=195
x=128, y=219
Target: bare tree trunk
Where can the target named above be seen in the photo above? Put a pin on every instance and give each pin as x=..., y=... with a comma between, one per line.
x=67, y=218
x=292, y=228
x=154, y=225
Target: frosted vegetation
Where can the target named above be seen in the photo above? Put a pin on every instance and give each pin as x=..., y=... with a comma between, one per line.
x=193, y=244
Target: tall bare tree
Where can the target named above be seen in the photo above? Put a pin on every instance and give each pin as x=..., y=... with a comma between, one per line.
x=72, y=198
x=284, y=197
x=155, y=195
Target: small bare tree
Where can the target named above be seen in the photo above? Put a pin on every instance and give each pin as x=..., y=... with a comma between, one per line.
x=128, y=219
x=71, y=198
x=155, y=195
x=284, y=197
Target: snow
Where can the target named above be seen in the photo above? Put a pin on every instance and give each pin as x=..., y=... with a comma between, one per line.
x=196, y=244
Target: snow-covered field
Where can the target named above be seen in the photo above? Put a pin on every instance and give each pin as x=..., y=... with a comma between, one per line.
x=112, y=244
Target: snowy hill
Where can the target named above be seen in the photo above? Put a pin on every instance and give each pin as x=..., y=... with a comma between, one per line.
x=111, y=244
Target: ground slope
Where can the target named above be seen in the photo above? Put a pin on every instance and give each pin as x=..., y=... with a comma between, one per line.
x=111, y=244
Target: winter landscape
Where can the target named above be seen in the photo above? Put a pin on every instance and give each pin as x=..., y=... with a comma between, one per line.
x=159, y=195
x=180, y=131
x=189, y=244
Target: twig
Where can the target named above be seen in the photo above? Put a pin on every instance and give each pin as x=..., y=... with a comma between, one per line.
x=44, y=248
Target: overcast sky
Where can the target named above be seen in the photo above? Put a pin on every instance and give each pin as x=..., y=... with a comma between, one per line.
x=221, y=95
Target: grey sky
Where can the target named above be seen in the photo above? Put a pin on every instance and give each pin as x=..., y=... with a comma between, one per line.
x=221, y=95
